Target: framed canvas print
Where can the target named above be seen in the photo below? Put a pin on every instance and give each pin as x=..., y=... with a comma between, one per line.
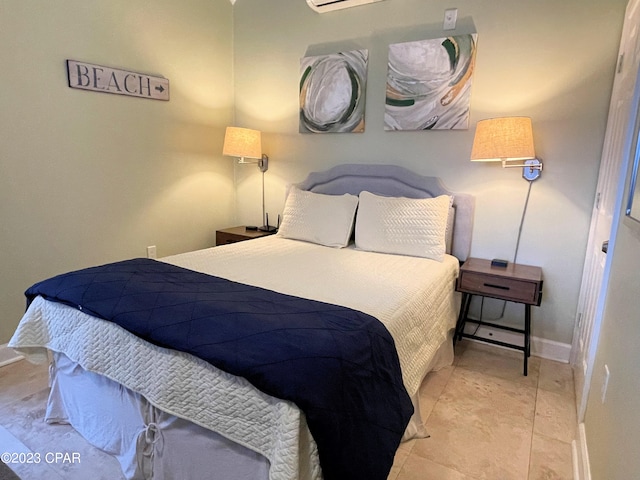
x=429, y=83
x=332, y=92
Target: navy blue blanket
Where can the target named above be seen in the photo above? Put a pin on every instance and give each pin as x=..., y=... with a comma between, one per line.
x=338, y=365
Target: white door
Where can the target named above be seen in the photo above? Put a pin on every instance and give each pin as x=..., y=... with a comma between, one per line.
x=617, y=144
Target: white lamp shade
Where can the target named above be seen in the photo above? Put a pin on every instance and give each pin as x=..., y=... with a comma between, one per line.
x=503, y=139
x=242, y=142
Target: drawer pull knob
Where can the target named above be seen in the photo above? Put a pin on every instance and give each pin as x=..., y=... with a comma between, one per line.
x=500, y=287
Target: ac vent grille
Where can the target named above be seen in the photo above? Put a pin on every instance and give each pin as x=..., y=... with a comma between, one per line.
x=322, y=6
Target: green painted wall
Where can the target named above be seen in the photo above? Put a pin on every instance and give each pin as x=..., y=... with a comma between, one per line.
x=87, y=178
x=611, y=427
x=552, y=61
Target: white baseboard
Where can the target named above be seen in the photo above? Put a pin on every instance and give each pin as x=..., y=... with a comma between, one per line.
x=540, y=347
x=7, y=355
x=575, y=461
x=580, y=456
x=550, y=349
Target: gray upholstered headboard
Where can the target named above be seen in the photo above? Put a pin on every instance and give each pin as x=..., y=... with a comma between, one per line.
x=395, y=181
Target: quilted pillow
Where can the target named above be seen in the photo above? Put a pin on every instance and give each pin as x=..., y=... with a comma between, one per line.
x=404, y=226
x=322, y=219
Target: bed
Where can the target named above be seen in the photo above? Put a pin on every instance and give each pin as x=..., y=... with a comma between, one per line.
x=168, y=414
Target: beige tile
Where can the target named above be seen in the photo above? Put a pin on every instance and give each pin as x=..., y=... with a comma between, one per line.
x=459, y=349
x=20, y=379
x=555, y=416
x=418, y=468
x=432, y=387
x=402, y=454
x=435, y=381
x=477, y=447
x=481, y=426
x=556, y=377
x=24, y=419
x=470, y=395
x=550, y=459
x=499, y=362
x=35, y=468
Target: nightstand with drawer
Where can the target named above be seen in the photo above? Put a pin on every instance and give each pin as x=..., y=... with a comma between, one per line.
x=513, y=283
x=238, y=234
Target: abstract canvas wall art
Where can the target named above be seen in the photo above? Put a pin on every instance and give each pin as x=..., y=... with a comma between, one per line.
x=429, y=83
x=332, y=92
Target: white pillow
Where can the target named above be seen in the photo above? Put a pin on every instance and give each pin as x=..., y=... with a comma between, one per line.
x=314, y=217
x=404, y=226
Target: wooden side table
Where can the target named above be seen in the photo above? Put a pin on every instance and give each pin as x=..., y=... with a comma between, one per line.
x=238, y=234
x=514, y=283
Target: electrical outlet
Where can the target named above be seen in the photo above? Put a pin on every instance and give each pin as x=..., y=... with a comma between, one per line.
x=151, y=251
x=450, y=17
x=605, y=383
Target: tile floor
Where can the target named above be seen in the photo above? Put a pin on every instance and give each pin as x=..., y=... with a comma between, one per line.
x=488, y=421
x=485, y=420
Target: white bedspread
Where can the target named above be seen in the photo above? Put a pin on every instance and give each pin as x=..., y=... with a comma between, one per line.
x=411, y=296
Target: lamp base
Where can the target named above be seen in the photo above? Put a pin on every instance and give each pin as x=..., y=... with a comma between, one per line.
x=267, y=228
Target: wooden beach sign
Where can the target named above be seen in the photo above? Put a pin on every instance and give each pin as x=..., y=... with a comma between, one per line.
x=98, y=78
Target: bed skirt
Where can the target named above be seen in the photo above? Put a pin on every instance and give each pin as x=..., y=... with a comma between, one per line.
x=147, y=442
x=150, y=443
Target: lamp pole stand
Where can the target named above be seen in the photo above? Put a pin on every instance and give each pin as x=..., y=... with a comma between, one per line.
x=263, y=165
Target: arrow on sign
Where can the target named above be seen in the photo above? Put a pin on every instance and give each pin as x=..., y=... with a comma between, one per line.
x=160, y=88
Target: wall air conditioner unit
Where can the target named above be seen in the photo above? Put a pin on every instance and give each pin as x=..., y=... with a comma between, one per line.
x=322, y=6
